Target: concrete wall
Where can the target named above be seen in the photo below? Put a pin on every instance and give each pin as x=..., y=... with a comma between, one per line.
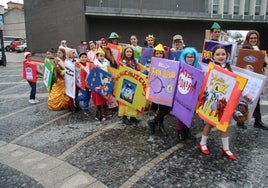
x=50, y=21
x=14, y=23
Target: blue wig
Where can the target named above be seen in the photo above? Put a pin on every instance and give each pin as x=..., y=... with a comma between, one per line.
x=193, y=52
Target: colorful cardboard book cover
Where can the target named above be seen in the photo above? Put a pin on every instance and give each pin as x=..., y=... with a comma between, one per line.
x=80, y=76
x=116, y=52
x=188, y=88
x=252, y=58
x=175, y=55
x=250, y=94
x=48, y=74
x=163, y=76
x=29, y=71
x=146, y=56
x=69, y=79
x=101, y=82
x=130, y=88
x=219, y=96
x=208, y=47
x=137, y=53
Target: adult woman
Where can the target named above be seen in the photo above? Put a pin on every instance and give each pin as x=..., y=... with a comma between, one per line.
x=252, y=41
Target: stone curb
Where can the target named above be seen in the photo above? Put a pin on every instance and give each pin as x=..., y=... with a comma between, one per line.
x=48, y=171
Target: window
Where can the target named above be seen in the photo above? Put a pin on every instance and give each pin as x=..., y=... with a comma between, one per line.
x=247, y=4
x=236, y=7
x=258, y=7
x=215, y=6
x=226, y=7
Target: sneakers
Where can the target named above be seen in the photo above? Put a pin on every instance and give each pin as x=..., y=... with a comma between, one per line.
x=32, y=101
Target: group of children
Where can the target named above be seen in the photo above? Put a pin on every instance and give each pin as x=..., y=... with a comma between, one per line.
x=129, y=115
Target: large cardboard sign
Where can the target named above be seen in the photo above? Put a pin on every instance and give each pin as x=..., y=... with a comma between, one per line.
x=208, y=47
x=163, y=77
x=146, y=56
x=116, y=52
x=80, y=76
x=29, y=71
x=101, y=82
x=130, y=88
x=251, y=92
x=48, y=73
x=250, y=57
x=187, y=91
x=219, y=96
x=175, y=55
x=69, y=79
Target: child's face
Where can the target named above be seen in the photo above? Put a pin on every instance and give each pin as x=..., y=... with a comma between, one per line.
x=150, y=42
x=59, y=54
x=159, y=54
x=49, y=55
x=190, y=59
x=133, y=40
x=83, y=58
x=128, y=53
x=101, y=57
x=216, y=33
x=220, y=56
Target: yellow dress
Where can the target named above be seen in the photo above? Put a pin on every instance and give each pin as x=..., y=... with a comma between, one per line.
x=57, y=99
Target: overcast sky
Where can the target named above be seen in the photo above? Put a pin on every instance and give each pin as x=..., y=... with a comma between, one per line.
x=4, y=2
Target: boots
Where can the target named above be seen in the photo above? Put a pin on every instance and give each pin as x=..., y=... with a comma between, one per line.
x=185, y=134
x=181, y=135
x=188, y=134
x=126, y=121
x=152, y=125
x=162, y=129
x=259, y=124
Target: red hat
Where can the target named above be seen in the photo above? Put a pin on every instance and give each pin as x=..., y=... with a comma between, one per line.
x=27, y=54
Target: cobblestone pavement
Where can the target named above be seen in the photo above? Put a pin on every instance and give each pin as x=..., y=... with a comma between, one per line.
x=42, y=148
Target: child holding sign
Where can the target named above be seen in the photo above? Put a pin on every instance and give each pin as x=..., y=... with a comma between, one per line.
x=30, y=72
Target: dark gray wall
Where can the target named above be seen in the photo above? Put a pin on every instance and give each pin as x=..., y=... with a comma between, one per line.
x=47, y=22
x=192, y=31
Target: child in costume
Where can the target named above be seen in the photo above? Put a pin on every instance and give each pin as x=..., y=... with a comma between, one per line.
x=29, y=66
x=191, y=57
x=162, y=109
x=57, y=99
x=219, y=55
x=215, y=31
x=85, y=66
x=129, y=115
x=100, y=101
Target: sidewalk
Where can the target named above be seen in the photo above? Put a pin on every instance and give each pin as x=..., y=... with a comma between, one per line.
x=42, y=148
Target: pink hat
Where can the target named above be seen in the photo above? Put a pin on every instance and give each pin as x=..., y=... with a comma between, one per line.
x=26, y=54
